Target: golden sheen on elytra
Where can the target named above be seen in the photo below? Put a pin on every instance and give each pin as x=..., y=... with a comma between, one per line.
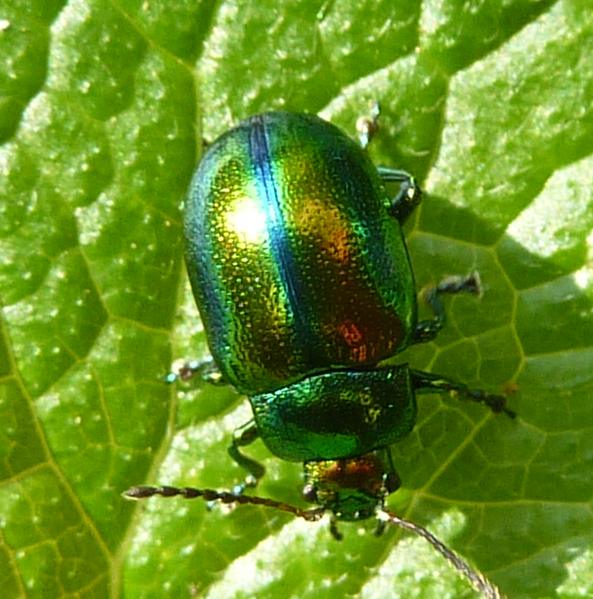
x=302, y=278
x=301, y=275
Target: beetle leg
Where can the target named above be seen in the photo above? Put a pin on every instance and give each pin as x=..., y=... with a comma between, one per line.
x=380, y=528
x=427, y=330
x=427, y=382
x=391, y=482
x=243, y=436
x=333, y=529
x=185, y=370
x=408, y=196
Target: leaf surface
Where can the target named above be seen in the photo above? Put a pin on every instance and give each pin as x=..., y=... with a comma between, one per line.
x=103, y=106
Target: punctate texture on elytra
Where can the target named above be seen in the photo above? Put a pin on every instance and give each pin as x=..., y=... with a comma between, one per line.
x=296, y=265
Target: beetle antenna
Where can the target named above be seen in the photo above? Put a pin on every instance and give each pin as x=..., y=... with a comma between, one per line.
x=476, y=578
x=143, y=492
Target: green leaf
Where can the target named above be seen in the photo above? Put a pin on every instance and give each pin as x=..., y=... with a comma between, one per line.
x=103, y=107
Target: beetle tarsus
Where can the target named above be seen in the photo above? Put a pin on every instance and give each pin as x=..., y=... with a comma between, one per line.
x=497, y=403
x=367, y=126
x=427, y=330
x=333, y=529
x=380, y=528
x=184, y=370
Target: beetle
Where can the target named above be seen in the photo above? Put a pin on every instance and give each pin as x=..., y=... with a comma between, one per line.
x=301, y=275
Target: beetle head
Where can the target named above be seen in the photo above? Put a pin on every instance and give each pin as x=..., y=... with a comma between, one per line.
x=351, y=488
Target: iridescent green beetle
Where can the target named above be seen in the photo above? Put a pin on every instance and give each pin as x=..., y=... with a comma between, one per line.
x=301, y=275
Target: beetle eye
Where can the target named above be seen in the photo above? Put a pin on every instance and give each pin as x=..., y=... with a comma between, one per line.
x=310, y=493
x=391, y=482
